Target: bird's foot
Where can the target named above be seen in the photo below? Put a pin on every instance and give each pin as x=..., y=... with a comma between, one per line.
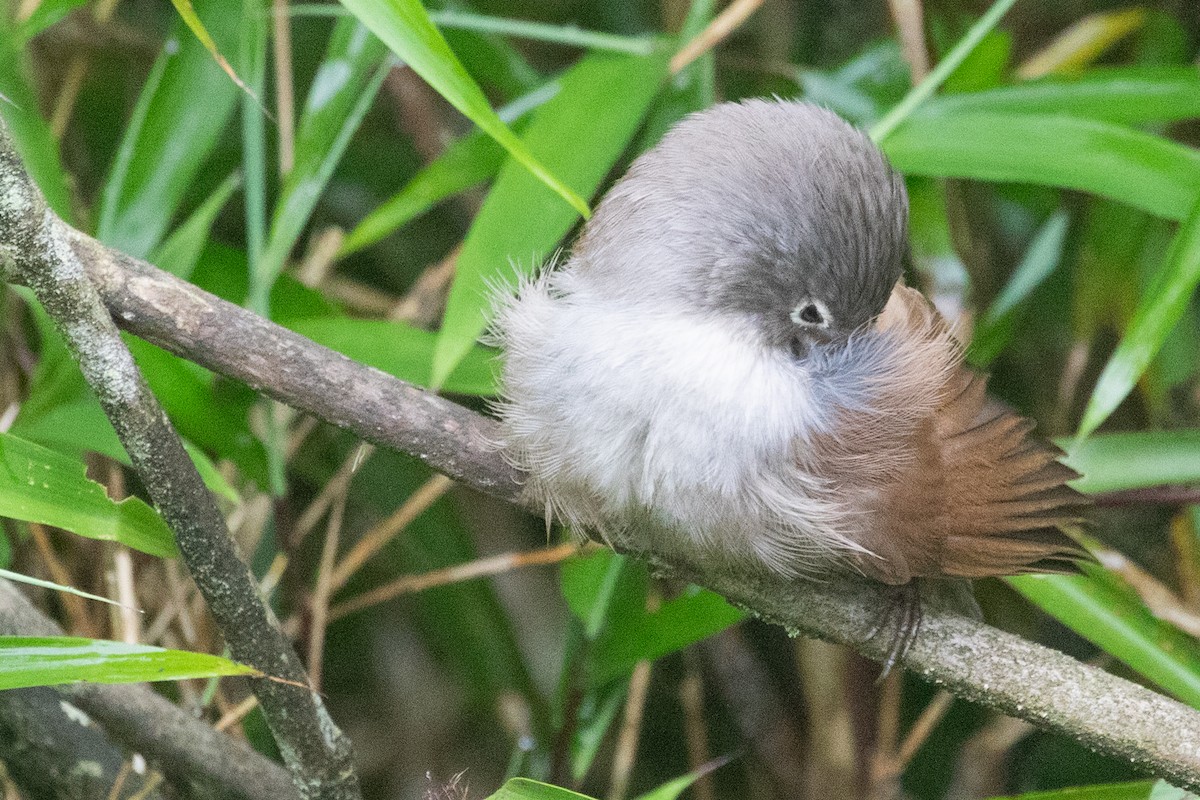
x=902, y=617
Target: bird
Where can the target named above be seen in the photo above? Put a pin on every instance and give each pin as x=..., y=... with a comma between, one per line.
x=728, y=367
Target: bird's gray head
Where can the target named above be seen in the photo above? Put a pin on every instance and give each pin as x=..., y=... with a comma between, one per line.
x=777, y=212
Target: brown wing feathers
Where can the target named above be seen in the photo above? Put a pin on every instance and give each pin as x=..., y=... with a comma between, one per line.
x=979, y=497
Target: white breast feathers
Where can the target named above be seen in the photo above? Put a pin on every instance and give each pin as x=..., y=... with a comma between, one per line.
x=665, y=431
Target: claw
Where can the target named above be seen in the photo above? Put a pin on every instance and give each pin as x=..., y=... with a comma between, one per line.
x=903, y=615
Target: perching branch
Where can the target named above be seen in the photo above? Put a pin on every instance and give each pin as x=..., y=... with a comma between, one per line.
x=971, y=659
x=187, y=750
x=35, y=250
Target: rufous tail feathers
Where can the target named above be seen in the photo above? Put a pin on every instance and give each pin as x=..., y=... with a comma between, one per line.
x=977, y=495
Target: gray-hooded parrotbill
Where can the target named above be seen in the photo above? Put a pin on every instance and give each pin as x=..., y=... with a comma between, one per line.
x=727, y=366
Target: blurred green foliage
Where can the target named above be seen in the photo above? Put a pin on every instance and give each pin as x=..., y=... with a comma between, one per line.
x=1055, y=203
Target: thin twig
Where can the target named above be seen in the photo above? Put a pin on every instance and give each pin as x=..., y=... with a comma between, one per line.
x=1161, y=600
x=81, y=621
x=691, y=699
x=631, y=728
x=479, y=568
x=832, y=766
x=64, y=105
x=1149, y=496
x=931, y=715
x=910, y=23
x=334, y=488
x=323, y=591
x=715, y=32
x=236, y=714
x=152, y=782
x=126, y=595
x=377, y=538
x=883, y=776
x=285, y=95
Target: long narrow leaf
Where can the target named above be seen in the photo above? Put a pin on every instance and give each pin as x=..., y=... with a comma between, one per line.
x=526, y=789
x=399, y=350
x=1161, y=308
x=31, y=135
x=1101, y=609
x=1128, y=95
x=180, y=252
x=930, y=83
x=169, y=136
x=470, y=160
x=405, y=27
x=341, y=93
x=602, y=101
x=52, y=660
x=1113, y=462
x=1142, y=170
x=1043, y=255
x=17, y=577
x=40, y=485
x=1140, y=790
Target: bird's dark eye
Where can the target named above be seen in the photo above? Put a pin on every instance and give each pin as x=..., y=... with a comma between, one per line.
x=811, y=314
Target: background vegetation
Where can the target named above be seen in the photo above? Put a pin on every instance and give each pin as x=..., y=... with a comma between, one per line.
x=1055, y=216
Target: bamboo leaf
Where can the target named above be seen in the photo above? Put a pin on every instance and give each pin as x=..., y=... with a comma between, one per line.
x=53, y=660
x=41, y=485
x=1160, y=309
x=405, y=27
x=1142, y=170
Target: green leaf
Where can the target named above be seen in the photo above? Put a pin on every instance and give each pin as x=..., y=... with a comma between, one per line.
x=1100, y=607
x=400, y=350
x=80, y=427
x=17, y=577
x=471, y=159
x=53, y=660
x=468, y=161
x=499, y=67
x=1113, y=462
x=601, y=586
x=1144, y=171
x=342, y=91
x=526, y=789
x=1161, y=307
x=169, y=136
x=180, y=252
x=188, y=14
x=405, y=27
x=1126, y=95
x=1136, y=790
x=883, y=129
x=692, y=617
x=1165, y=791
x=40, y=485
x=32, y=137
x=607, y=593
x=47, y=13
x=863, y=87
x=568, y=35
x=598, y=710
x=1043, y=255
x=677, y=786
x=602, y=101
